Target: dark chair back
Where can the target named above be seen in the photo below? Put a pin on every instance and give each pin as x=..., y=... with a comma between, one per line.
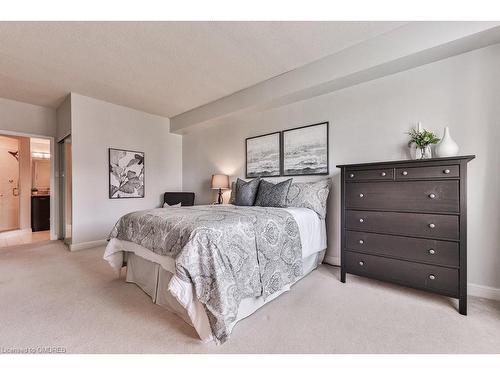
x=185, y=199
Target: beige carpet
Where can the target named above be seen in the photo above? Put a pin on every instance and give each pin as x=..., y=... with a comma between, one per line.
x=51, y=297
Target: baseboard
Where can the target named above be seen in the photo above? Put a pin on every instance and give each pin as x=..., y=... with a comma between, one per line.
x=483, y=291
x=87, y=245
x=334, y=261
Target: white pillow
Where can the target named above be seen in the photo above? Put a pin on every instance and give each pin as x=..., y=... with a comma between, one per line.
x=165, y=205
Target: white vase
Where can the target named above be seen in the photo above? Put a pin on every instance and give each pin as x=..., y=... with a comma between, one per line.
x=447, y=146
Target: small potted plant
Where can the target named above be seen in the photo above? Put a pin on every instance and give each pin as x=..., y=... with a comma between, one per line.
x=423, y=139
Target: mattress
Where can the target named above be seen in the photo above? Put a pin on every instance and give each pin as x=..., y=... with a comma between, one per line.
x=155, y=274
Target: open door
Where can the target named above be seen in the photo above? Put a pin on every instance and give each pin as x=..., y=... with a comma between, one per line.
x=65, y=189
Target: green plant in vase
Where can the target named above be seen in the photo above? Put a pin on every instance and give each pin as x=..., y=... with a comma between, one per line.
x=423, y=139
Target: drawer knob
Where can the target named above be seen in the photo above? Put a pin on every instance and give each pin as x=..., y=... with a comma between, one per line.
x=405, y=173
x=361, y=263
x=432, y=195
x=432, y=225
x=446, y=171
x=351, y=175
x=432, y=251
x=361, y=242
x=432, y=277
x=361, y=220
x=361, y=195
x=383, y=174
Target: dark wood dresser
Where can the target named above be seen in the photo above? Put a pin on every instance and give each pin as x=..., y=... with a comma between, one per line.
x=406, y=222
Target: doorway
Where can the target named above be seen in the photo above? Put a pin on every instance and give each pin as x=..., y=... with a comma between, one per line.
x=25, y=189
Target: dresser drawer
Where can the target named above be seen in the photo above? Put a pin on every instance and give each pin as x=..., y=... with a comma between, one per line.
x=444, y=253
x=431, y=196
x=405, y=224
x=445, y=171
x=386, y=174
x=433, y=278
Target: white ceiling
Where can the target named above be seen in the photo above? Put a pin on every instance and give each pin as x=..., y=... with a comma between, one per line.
x=165, y=68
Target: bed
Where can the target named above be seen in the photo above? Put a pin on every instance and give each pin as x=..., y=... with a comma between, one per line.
x=215, y=265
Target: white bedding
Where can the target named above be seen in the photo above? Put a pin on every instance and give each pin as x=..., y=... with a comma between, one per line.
x=313, y=240
x=311, y=228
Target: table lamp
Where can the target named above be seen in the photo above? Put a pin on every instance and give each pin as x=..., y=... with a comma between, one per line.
x=220, y=181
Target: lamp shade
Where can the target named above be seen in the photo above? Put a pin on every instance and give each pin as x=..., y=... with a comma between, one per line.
x=220, y=181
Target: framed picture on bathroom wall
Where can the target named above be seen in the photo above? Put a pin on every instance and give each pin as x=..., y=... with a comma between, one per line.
x=263, y=155
x=126, y=174
x=305, y=150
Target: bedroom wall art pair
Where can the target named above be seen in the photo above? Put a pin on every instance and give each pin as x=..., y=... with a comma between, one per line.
x=293, y=152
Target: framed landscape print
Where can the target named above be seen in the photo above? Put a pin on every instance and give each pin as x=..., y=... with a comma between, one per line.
x=305, y=150
x=126, y=174
x=263, y=155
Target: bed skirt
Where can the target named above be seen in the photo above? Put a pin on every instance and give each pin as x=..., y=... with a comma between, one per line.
x=160, y=285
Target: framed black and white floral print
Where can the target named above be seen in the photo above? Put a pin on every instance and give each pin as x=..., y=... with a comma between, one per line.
x=263, y=155
x=126, y=174
x=305, y=150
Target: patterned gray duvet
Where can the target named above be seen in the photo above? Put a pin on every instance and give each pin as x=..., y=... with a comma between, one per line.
x=227, y=252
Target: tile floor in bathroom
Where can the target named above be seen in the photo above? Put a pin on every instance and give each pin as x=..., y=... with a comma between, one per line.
x=21, y=237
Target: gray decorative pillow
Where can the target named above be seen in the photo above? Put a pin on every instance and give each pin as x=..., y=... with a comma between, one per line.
x=313, y=195
x=232, y=198
x=273, y=195
x=246, y=192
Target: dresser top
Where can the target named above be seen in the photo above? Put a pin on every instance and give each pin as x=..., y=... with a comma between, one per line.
x=417, y=161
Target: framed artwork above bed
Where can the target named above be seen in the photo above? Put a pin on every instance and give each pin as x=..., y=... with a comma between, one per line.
x=305, y=150
x=263, y=155
x=126, y=174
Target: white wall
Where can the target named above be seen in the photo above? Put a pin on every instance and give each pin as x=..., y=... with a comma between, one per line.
x=98, y=125
x=368, y=123
x=27, y=118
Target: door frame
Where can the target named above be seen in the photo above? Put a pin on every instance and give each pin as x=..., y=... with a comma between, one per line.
x=54, y=188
